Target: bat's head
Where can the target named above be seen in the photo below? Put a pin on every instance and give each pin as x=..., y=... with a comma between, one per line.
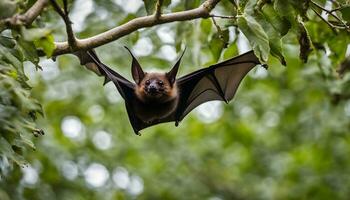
x=156, y=87
x=153, y=86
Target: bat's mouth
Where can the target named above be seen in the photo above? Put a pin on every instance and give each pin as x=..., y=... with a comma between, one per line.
x=154, y=92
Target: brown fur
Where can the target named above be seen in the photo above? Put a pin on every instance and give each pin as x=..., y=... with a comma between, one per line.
x=150, y=108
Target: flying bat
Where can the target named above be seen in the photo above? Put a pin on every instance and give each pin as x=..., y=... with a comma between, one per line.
x=156, y=98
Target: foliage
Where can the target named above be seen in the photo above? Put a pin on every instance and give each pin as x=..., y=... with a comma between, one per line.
x=285, y=136
x=18, y=109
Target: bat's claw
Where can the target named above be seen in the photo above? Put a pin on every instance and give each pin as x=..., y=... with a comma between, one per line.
x=225, y=100
x=176, y=123
x=137, y=133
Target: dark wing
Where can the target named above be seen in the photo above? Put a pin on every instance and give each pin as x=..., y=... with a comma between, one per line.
x=124, y=87
x=217, y=82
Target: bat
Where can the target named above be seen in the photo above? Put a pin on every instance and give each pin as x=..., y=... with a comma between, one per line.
x=156, y=98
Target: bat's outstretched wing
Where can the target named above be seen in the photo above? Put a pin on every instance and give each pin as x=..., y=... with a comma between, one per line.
x=124, y=87
x=217, y=82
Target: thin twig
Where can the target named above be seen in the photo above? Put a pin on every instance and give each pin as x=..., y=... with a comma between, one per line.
x=216, y=25
x=223, y=17
x=221, y=37
x=58, y=9
x=327, y=22
x=158, y=9
x=72, y=41
x=336, y=9
x=330, y=13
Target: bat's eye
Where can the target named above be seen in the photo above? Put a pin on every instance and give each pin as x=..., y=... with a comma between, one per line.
x=160, y=83
x=147, y=82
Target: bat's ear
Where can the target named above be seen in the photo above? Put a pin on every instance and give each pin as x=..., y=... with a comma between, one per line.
x=171, y=75
x=136, y=70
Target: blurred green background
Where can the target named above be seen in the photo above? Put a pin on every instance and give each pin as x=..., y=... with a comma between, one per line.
x=286, y=135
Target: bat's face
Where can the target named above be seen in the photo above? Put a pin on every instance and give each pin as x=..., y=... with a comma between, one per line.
x=156, y=87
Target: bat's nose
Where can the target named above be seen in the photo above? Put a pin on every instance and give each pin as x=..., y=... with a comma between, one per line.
x=152, y=89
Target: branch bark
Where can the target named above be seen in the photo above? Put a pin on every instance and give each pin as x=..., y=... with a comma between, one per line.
x=25, y=19
x=202, y=11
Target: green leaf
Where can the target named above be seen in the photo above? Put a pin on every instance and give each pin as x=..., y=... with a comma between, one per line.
x=190, y=4
x=304, y=42
x=285, y=9
x=231, y=51
x=46, y=44
x=274, y=35
x=129, y=17
x=150, y=5
x=34, y=33
x=17, y=52
x=23, y=140
x=345, y=11
x=281, y=25
x=6, y=150
x=256, y=36
x=7, y=8
x=29, y=51
x=7, y=42
x=206, y=26
x=218, y=43
x=13, y=60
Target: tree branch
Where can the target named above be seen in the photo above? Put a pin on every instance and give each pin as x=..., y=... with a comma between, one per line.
x=133, y=25
x=25, y=19
x=64, y=14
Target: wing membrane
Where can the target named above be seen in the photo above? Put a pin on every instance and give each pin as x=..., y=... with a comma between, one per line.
x=217, y=82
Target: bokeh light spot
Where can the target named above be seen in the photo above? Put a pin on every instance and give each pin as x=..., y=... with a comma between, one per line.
x=30, y=175
x=72, y=127
x=143, y=47
x=130, y=6
x=69, y=170
x=168, y=52
x=121, y=178
x=209, y=112
x=102, y=140
x=96, y=113
x=96, y=175
x=136, y=185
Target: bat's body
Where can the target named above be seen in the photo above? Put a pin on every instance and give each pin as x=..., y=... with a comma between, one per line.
x=152, y=106
x=159, y=97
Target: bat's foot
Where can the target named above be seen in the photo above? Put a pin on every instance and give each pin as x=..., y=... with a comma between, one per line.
x=176, y=123
x=138, y=133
